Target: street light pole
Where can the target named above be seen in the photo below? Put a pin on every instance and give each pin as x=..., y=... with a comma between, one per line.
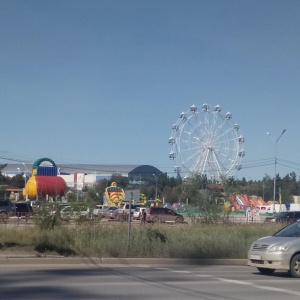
x=156, y=178
x=275, y=163
x=25, y=179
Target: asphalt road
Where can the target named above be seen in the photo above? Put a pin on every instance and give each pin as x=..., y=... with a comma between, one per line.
x=92, y=281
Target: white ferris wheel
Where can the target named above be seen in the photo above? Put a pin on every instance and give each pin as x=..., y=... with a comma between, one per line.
x=206, y=142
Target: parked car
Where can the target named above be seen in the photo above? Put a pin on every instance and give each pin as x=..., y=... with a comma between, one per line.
x=7, y=209
x=121, y=214
x=111, y=212
x=99, y=210
x=75, y=212
x=163, y=214
x=284, y=217
x=125, y=208
x=280, y=251
x=23, y=209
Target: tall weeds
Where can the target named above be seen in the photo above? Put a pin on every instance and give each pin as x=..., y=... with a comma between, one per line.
x=100, y=240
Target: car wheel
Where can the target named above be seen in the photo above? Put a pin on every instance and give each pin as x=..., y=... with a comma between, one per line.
x=155, y=220
x=266, y=271
x=117, y=217
x=295, y=266
x=3, y=216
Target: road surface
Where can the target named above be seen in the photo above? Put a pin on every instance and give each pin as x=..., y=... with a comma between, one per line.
x=135, y=282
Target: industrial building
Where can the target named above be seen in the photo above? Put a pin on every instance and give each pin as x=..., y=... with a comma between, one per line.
x=80, y=175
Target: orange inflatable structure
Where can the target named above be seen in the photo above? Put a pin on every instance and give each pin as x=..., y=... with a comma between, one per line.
x=242, y=201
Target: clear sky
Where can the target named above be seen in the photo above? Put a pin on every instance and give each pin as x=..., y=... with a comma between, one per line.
x=103, y=81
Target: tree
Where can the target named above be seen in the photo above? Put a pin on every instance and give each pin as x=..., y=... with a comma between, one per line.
x=3, y=179
x=18, y=181
x=121, y=181
x=191, y=189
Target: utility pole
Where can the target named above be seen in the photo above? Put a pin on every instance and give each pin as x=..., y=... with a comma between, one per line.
x=156, y=179
x=275, y=163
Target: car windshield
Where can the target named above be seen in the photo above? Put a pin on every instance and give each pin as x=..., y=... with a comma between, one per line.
x=291, y=230
x=112, y=208
x=100, y=207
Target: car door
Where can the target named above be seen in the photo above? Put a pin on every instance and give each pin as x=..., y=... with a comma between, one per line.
x=170, y=215
x=161, y=214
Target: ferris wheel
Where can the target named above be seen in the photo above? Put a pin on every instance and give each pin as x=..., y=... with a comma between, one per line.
x=206, y=142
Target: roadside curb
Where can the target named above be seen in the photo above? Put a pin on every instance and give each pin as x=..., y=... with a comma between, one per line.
x=31, y=259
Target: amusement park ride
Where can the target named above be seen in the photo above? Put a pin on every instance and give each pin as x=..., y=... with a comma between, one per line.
x=202, y=141
x=205, y=142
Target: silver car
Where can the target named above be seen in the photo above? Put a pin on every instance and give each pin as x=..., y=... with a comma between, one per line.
x=75, y=212
x=99, y=210
x=280, y=251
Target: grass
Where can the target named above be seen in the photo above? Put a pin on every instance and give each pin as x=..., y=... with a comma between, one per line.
x=159, y=241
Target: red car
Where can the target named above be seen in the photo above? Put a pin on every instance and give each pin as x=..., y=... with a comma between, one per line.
x=162, y=215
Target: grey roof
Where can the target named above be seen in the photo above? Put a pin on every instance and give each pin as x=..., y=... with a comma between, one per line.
x=73, y=168
x=99, y=169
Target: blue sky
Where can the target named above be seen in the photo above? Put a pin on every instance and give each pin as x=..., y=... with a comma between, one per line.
x=102, y=82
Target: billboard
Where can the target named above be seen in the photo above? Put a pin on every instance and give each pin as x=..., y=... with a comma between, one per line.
x=79, y=180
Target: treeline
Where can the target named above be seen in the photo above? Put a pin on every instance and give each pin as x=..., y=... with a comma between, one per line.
x=196, y=189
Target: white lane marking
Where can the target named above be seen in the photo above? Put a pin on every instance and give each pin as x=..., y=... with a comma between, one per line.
x=185, y=272
x=278, y=290
x=268, y=288
x=235, y=281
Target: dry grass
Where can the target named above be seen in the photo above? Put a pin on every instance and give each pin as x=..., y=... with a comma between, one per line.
x=100, y=240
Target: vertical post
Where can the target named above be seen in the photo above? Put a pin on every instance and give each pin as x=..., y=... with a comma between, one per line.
x=156, y=178
x=275, y=163
x=25, y=180
x=140, y=181
x=129, y=218
x=274, y=184
x=280, y=199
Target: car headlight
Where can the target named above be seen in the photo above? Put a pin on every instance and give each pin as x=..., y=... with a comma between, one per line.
x=279, y=247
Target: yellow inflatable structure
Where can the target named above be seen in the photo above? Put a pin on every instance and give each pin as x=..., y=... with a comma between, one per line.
x=114, y=195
